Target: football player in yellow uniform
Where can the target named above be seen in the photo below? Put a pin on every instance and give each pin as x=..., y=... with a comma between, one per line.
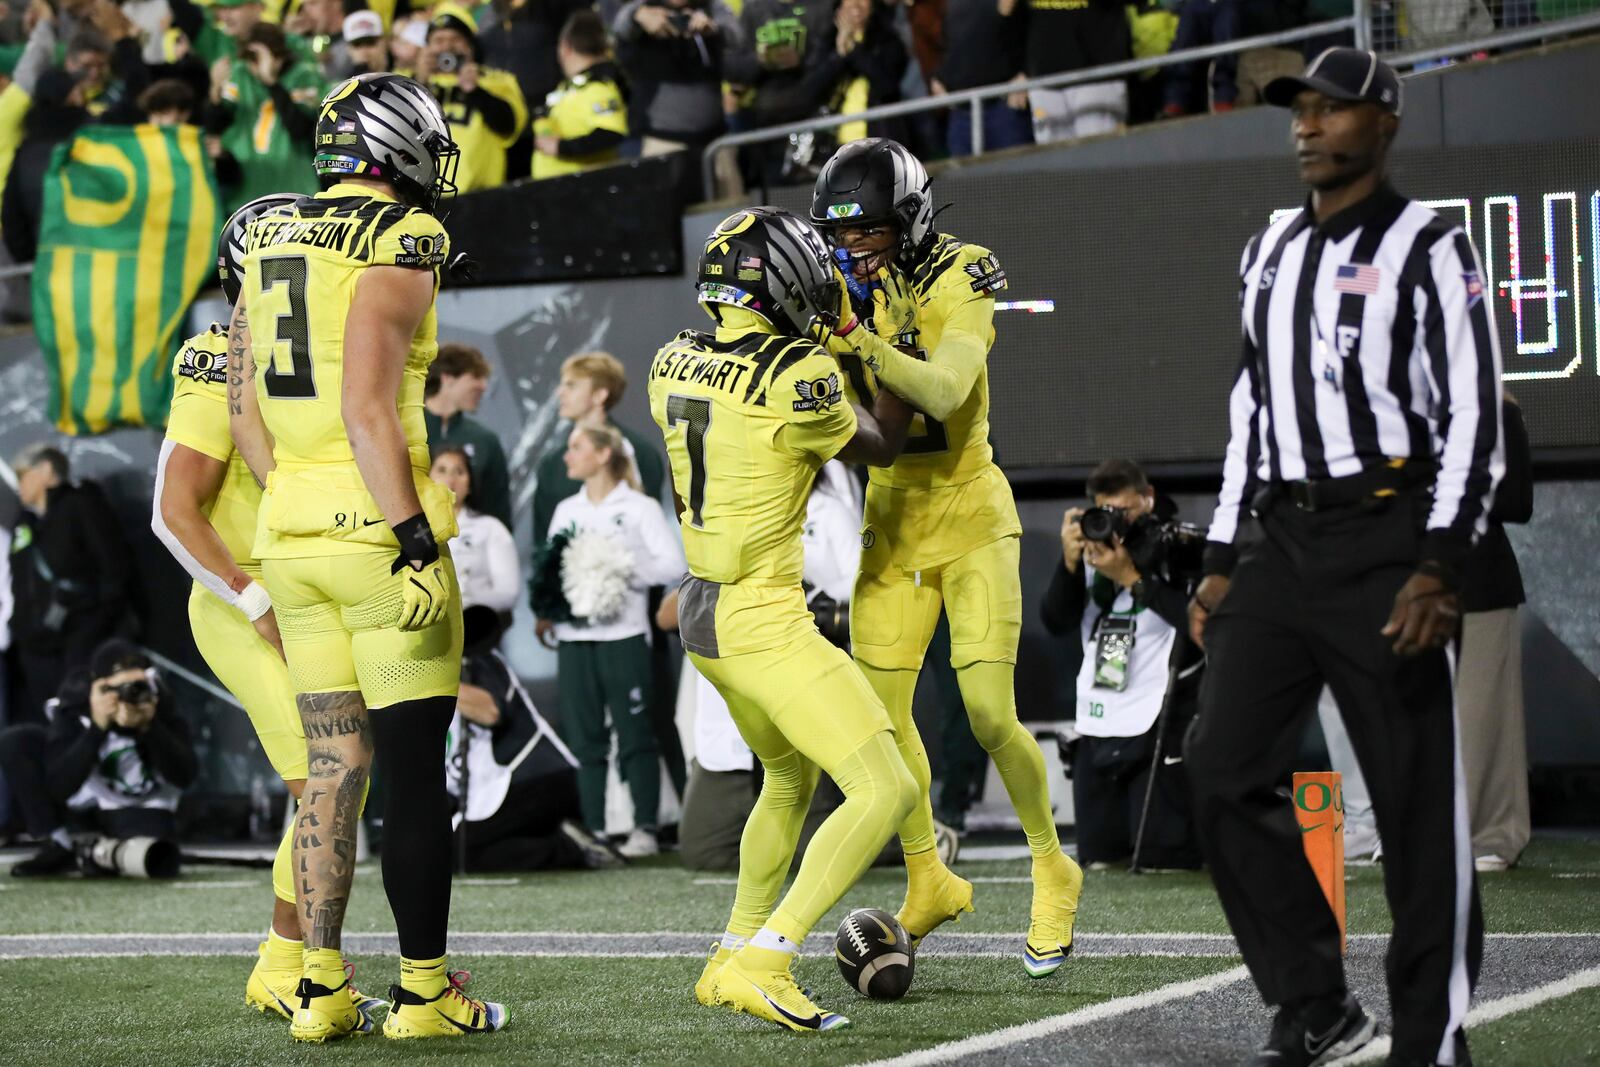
x=205, y=513
x=337, y=314
x=750, y=413
x=941, y=525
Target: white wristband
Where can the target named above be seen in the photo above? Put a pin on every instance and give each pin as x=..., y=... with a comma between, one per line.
x=253, y=601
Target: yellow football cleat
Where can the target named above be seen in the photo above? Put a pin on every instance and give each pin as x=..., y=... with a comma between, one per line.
x=450, y=1014
x=770, y=994
x=271, y=989
x=1056, y=888
x=322, y=1014
x=714, y=962
x=932, y=901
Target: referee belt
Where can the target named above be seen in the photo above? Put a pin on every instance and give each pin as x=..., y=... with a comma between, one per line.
x=1375, y=483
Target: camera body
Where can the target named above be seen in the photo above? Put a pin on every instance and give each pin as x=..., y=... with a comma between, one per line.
x=135, y=692
x=1174, y=550
x=449, y=62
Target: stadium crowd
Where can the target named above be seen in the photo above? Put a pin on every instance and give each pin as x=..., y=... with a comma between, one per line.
x=543, y=88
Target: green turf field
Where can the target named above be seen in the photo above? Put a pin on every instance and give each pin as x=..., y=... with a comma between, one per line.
x=577, y=1006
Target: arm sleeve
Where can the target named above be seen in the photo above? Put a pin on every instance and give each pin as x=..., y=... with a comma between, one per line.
x=1513, y=500
x=546, y=496
x=940, y=384
x=1464, y=363
x=213, y=583
x=663, y=562
x=498, y=99
x=591, y=144
x=38, y=57
x=1169, y=602
x=167, y=746
x=505, y=570
x=1238, y=466
x=817, y=418
x=623, y=28
x=298, y=122
x=1062, y=610
x=20, y=239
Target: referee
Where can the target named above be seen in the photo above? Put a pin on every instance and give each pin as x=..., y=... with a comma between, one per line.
x=1365, y=439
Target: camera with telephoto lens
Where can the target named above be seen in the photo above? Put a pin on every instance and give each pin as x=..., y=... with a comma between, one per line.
x=138, y=691
x=1174, y=550
x=130, y=857
x=449, y=62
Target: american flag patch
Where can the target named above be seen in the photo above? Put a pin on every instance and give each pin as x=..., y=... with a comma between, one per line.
x=1474, y=286
x=1359, y=278
x=750, y=263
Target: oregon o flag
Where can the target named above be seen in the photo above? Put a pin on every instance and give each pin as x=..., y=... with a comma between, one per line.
x=127, y=236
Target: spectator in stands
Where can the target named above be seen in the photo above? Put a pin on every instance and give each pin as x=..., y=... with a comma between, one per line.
x=114, y=759
x=984, y=47
x=520, y=36
x=485, y=554
x=320, y=23
x=366, y=46
x=1130, y=626
x=585, y=120
x=785, y=69
x=1203, y=22
x=515, y=784
x=263, y=107
x=70, y=575
x=672, y=53
x=1260, y=66
x=1069, y=35
x=1153, y=25
x=592, y=384
x=872, y=63
x=483, y=104
x=168, y=102
x=604, y=661
x=456, y=383
x=216, y=33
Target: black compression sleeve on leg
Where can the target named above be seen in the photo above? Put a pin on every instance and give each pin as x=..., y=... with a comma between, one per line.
x=409, y=741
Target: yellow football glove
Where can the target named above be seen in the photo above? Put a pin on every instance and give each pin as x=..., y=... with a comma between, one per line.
x=424, y=585
x=834, y=340
x=894, y=305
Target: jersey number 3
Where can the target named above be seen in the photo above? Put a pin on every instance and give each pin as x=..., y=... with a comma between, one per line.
x=695, y=413
x=299, y=382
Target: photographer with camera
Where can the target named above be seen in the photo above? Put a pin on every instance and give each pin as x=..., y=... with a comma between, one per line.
x=484, y=106
x=1123, y=590
x=114, y=760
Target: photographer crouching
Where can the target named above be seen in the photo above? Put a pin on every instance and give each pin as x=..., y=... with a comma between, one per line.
x=1123, y=590
x=113, y=761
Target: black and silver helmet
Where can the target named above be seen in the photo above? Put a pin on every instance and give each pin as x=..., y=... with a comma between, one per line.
x=388, y=127
x=876, y=180
x=774, y=264
x=230, y=242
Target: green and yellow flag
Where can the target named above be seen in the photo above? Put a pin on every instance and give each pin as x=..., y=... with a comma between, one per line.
x=128, y=234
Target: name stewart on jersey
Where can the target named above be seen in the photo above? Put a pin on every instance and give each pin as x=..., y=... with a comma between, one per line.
x=699, y=368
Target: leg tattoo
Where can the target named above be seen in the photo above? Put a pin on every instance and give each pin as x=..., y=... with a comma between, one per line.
x=339, y=752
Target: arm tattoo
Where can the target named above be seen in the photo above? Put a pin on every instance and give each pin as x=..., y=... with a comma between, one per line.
x=241, y=365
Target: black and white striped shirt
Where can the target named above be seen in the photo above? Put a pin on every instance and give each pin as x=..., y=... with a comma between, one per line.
x=1367, y=338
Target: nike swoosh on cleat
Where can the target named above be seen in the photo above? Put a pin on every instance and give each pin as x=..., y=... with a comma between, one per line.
x=813, y=1023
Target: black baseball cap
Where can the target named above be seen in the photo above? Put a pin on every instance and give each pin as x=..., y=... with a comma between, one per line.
x=1344, y=74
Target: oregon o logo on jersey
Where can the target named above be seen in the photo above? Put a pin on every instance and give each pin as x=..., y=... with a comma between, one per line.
x=203, y=366
x=420, y=250
x=817, y=394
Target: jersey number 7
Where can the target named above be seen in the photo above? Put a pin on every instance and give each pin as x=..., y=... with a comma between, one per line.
x=695, y=413
x=292, y=328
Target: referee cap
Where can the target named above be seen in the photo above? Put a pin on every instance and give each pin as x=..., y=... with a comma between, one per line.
x=1345, y=74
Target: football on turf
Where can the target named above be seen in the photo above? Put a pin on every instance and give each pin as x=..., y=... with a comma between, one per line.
x=874, y=954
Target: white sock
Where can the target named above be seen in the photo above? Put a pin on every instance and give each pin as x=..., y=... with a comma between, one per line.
x=60, y=836
x=731, y=941
x=766, y=937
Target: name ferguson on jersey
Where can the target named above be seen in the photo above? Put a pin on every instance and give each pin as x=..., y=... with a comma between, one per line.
x=317, y=233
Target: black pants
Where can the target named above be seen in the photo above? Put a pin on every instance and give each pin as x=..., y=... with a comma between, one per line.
x=525, y=833
x=42, y=802
x=1109, y=779
x=1306, y=606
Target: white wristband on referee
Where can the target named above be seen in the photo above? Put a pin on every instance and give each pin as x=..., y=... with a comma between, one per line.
x=253, y=601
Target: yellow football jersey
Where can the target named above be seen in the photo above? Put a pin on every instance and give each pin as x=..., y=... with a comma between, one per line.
x=748, y=423
x=199, y=420
x=301, y=267
x=955, y=287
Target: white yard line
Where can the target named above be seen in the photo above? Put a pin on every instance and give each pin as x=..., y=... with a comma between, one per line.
x=210, y=885
x=1055, y=1024
x=1492, y=1010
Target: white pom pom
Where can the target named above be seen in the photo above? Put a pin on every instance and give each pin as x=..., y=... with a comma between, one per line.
x=596, y=573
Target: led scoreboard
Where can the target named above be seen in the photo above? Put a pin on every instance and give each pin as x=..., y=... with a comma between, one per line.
x=1141, y=264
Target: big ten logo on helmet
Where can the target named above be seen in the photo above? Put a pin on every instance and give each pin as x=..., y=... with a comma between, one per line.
x=202, y=366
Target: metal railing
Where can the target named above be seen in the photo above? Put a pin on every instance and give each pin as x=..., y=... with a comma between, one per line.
x=1360, y=24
